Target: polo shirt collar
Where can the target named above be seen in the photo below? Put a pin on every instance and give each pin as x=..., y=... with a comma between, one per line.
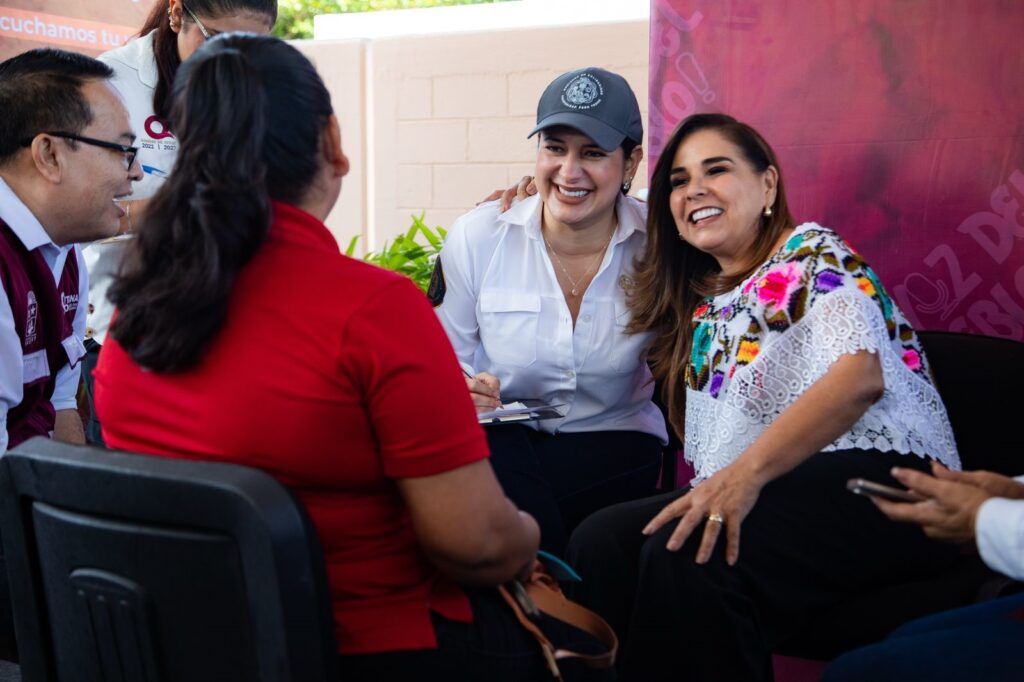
x=21, y=220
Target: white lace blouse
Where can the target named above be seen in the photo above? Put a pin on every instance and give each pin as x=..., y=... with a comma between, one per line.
x=758, y=347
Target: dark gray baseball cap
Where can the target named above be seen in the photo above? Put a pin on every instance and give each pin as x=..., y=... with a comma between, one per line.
x=598, y=103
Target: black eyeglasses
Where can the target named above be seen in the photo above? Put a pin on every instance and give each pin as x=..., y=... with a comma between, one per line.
x=129, y=152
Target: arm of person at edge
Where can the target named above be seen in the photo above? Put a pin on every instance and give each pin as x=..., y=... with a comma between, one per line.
x=11, y=366
x=463, y=521
x=67, y=424
x=523, y=189
x=954, y=499
x=825, y=411
x=477, y=537
x=457, y=313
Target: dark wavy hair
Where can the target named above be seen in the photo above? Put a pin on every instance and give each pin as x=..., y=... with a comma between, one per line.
x=249, y=111
x=41, y=90
x=165, y=41
x=673, y=276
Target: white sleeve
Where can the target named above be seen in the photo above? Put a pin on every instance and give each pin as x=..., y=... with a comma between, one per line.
x=11, y=370
x=457, y=311
x=999, y=530
x=65, y=390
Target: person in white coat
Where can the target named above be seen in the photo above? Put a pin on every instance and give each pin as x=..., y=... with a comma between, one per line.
x=144, y=72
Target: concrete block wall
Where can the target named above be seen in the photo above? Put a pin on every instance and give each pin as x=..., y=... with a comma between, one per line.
x=342, y=65
x=444, y=118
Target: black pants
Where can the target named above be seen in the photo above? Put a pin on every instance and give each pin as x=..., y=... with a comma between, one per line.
x=92, y=429
x=807, y=544
x=561, y=479
x=493, y=648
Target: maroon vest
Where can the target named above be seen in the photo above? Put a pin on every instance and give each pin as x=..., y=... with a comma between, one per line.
x=43, y=319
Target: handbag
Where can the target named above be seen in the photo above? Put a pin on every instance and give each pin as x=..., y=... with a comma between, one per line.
x=541, y=594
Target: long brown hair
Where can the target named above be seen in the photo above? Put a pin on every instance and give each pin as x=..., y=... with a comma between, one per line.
x=673, y=276
x=165, y=41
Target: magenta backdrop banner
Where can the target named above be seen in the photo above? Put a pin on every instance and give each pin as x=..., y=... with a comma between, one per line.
x=898, y=123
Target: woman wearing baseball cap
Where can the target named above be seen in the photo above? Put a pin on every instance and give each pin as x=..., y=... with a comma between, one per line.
x=534, y=302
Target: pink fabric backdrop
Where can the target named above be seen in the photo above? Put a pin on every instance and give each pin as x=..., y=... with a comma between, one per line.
x=900, y=124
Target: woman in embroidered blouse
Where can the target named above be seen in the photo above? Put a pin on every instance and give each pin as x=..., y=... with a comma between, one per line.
x=787, y=370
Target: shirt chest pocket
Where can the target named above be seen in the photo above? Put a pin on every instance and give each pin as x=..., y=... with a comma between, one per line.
x=508, y=326
x=612, y=345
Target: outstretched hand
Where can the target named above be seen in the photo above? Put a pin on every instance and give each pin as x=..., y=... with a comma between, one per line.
x=722, y=501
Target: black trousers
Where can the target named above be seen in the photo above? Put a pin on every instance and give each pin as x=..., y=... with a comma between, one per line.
x=807, y=545
x=92, y=430
x=493, y=648
x=561, y=479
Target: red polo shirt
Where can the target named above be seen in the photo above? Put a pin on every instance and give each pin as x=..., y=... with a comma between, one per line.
x=335, y=377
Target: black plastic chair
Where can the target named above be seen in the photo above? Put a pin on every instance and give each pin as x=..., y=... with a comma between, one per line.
x=979, y=379
x=145, y=569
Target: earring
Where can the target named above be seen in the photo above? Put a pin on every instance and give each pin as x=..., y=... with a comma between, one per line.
x=175, y=25
x=626, y=184
x=767, y=211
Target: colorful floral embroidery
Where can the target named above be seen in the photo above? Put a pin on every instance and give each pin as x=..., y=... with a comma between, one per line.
x=912, y=359
x=778, y=284
x=813, y=262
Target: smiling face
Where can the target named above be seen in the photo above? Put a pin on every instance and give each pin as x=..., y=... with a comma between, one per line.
x=577, y=180
x=190, y=36
x=718, y=197
x=94, y=179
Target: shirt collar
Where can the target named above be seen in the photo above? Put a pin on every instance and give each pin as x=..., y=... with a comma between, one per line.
x=21, y=220
x=527, y=213
x=138, y=54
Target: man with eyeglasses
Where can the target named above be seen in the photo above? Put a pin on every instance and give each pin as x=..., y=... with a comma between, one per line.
x=66, y=161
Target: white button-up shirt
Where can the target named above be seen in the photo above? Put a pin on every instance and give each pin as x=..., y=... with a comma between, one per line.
x=31, y=233
x=505, y=314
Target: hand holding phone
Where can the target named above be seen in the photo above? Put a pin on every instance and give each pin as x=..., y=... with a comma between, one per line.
x=862, y=486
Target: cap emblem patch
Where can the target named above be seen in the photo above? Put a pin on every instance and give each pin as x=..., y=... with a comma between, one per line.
x=582, y=92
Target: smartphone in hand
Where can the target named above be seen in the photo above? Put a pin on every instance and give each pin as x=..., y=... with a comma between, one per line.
x=862, y=486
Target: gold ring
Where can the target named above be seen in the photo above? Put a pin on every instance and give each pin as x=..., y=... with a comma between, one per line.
x=715, y=517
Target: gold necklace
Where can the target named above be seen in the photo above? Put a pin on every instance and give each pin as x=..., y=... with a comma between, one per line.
x=597, y=260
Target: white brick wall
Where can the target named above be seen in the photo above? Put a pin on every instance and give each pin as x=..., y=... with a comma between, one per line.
x=447, y=115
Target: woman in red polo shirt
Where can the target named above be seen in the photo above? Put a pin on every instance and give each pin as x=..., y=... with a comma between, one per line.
x=243, y=335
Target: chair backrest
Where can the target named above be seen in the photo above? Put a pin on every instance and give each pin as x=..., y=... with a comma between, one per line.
x=133, y=568
x=981, y=381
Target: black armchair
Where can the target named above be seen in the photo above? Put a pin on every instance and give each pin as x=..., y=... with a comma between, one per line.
x=128, y=567
x=979, y=379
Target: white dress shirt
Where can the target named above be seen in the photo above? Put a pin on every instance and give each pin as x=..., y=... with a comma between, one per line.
x=31, y=233
x=505, y=314
x=999, y=532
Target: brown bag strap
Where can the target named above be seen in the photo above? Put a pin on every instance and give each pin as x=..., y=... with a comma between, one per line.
x=544, y=593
